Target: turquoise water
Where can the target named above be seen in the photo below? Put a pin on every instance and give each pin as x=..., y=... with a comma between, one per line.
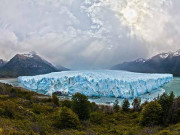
x=174, y=86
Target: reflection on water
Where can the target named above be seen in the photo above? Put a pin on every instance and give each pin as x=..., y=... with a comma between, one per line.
x=172, y=86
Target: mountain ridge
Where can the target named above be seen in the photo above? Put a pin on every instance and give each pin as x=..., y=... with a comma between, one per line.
x=26, y=65
x=2, y=62
x=160, y=63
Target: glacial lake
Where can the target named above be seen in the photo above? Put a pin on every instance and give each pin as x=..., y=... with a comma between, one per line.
x=174, y=86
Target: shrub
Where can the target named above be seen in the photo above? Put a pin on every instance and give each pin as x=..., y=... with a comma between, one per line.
x=81, y=106
x=96, y=117
x=130, y=133
x=55, y=100
x=14, y=92
x=67, y=119
x=151, y=114
x=164, y=132
x=125, y=105
x=66, y=103
x=8, y=108
x=40, y=108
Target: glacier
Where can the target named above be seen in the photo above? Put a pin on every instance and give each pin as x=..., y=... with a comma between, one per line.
x=101, y=83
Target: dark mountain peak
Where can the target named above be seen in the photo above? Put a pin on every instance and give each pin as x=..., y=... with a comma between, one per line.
x=161, y=56
x=160, y=63
x=27, y=64
x=27, y=55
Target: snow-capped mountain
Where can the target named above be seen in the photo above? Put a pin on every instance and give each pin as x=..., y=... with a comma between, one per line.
x=161, y=63
x=25, y=65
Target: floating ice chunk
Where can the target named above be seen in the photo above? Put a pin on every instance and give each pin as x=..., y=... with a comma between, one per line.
x=106, y=83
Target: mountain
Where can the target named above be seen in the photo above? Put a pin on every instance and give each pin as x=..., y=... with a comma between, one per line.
x=27, y=64
x=2, y=62
x=61, y=68
x=161, y=63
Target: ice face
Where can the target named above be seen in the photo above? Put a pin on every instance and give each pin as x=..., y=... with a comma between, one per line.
x=107, y=83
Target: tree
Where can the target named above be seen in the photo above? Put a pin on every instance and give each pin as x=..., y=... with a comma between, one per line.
x=116, y=105
x=81, y=106
x=171, y=98
x=166, y=103
x=136, y=104
x=125, y=105
x=67, y=119
x=55, y=100
x=151, y=114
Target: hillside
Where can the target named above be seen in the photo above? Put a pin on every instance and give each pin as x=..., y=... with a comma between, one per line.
x=23, y=112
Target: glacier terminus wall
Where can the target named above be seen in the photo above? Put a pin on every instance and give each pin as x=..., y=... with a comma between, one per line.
x=106, y=83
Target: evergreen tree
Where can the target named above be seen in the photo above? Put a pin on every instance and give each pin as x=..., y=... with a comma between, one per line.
x=67, y=119
x=151, y=114
x=55, y=100
x=171, y=98
x=81, y=106
x=172, y=106
x=166, y=103
x=125, y=105
x=116, y=105
x=136, y=104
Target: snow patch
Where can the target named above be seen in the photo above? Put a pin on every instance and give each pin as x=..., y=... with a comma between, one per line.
x=29, y=55
x=141, y=60
x=177, y=53
x=164, y=55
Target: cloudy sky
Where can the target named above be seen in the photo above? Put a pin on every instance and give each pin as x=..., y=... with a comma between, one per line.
x=89, y=34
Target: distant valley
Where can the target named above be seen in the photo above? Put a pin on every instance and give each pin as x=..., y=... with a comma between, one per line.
x=161, y=63
x=27, y=64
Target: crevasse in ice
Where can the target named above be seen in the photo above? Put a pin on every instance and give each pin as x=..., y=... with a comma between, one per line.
x=107, y=83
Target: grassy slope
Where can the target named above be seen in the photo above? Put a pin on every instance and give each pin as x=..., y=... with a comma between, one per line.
x=26, y=113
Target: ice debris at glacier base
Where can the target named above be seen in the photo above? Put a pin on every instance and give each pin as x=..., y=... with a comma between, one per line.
x=102, y=83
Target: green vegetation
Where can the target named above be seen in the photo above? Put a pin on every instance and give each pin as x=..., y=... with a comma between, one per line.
x=67, y=119
x=136, y=104
x=81, y=106
x=116, y=106
x=151, y=114
x=125, y=105
x=55, y=100
x=28, y=113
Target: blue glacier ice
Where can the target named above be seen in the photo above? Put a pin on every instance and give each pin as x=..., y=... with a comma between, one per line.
x=102, y=83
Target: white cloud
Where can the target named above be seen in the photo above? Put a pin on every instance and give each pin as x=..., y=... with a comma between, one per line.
x=89, y=33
